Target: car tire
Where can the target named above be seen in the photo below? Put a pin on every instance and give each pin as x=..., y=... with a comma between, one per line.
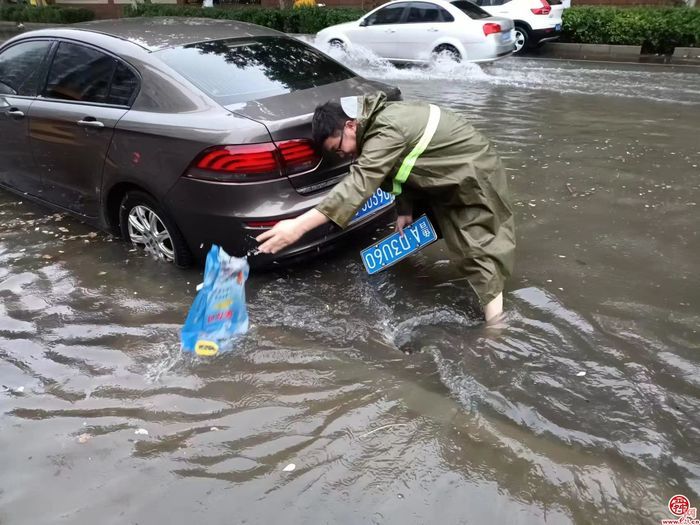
x=145, y=224
x=522, y=39
x=336, y=43
x=448, y=50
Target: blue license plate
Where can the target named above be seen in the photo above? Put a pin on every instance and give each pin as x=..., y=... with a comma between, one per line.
x=395, y=247
x=557, y=27
x=376, y=202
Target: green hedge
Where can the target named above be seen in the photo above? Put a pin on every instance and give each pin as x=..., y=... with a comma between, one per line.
x=657, y=30
x=299, y=20
x=48, y=14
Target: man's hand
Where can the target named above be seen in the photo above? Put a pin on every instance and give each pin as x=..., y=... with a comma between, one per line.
x=289, y=231
x=402, y=221
x=280, y=236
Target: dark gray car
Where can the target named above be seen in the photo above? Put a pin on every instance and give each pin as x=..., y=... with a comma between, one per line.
x=174, y=133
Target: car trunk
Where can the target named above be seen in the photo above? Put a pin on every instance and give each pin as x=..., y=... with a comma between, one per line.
x=288, y=116
x=557, y=8
x=505, y=23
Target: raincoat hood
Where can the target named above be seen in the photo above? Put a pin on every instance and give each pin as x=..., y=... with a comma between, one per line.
x=363, y=109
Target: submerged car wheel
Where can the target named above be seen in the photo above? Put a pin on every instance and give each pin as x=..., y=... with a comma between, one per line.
x=336, y=43
x=448, y=51
x=146, y=225
x=521, y=39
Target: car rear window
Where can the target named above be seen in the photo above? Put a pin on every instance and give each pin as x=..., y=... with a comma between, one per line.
x=472, y=11
x=239, y=70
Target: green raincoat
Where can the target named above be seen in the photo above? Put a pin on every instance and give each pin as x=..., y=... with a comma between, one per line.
x=427, y=155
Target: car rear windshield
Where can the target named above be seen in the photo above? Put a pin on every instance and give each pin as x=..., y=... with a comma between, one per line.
x=239, y=70
x=472, y=11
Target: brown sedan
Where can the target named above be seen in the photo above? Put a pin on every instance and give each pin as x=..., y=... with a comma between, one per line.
x=174, y=133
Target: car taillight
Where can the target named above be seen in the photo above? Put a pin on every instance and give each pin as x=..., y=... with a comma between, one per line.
x=544, y=10
x=298, y=156
x=261, y=224
x=491, y=28
x=254, y=162
x=239, y=163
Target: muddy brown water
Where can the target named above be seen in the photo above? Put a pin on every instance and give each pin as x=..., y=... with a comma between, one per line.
x=475, y=426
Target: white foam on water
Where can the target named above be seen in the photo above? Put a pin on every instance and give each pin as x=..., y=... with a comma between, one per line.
x=172, y=358
x=368, y=64
x=467, y=391
x=555, y=76
x=403, y=332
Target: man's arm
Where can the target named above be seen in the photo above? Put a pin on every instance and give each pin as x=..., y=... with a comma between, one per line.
x=380, y=154
x=290, y=231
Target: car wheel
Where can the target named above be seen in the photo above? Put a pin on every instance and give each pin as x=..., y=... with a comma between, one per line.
x=336, y=43
x=146, y=225
x=447, y=50
x=522, y=39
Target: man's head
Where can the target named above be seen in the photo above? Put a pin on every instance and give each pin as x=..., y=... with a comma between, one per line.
x=334, y=131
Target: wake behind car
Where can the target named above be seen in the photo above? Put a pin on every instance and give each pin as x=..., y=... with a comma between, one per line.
x=417, y=32
x=174, y=133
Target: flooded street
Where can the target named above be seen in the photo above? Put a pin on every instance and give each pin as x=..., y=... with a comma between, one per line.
x=583, y=407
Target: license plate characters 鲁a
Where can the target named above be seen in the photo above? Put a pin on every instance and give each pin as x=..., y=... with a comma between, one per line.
x=379, y=200
x=395, y=247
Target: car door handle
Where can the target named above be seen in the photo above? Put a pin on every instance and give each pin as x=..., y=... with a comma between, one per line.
x=391, y=30
x=433, y=30
x=14, y=113
x=90, y=122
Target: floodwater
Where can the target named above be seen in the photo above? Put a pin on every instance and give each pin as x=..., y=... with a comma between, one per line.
x=582, y=407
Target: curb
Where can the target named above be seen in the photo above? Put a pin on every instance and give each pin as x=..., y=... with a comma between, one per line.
x=603, y=52
x=686, y=55
x=26, y=26
x=11, y=29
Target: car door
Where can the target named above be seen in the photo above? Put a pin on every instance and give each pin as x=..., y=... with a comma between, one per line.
x=72, y=123
x=425, y=22
x=377, y=31
x=21, y=68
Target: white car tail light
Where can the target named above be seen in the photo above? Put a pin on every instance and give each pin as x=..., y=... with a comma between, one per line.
x=544, y=10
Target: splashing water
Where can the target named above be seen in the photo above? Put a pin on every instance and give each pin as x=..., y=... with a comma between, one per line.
x=556, y=76
x=368, y=64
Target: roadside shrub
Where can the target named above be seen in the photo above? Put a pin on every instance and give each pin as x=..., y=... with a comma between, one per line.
x=657, y=30
x=291, y=20
x=46, y=14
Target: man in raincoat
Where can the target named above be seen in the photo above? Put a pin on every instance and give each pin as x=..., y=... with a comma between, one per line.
x=430, y=158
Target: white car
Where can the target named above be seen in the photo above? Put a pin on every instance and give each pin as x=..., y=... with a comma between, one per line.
x=536, y=21
x=415, y=32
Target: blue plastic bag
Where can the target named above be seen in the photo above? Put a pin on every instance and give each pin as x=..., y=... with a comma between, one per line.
x=219, y=311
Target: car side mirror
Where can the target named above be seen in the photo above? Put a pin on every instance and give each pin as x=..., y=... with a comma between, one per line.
x=363, y=22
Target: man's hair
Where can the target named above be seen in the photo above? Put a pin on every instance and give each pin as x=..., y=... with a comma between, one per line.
x=328, y=121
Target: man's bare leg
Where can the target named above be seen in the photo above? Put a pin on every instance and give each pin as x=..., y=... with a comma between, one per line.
x=493, y=310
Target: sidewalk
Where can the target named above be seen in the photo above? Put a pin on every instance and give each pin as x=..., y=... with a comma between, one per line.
x=601, y=52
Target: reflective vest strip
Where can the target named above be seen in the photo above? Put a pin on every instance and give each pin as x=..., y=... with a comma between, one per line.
x=417, y=151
